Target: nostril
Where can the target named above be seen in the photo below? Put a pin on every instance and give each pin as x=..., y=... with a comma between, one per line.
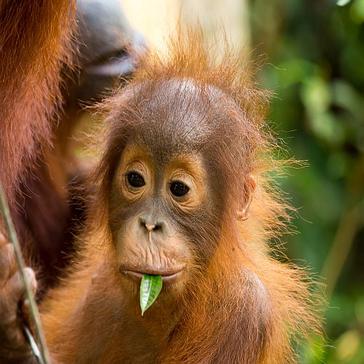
x=157, y=227
x=148, y=226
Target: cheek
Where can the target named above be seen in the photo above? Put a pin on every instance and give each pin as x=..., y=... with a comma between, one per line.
x=120, y=213
x=203, y=229
x=124, y=239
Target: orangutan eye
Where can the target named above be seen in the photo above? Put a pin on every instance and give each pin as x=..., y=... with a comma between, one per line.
x=178, y=188
x=135, y=179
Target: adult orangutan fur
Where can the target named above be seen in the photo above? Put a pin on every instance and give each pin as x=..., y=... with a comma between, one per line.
x=236, y=304
x=38, y=44
x=34, y=40
x=35, y=43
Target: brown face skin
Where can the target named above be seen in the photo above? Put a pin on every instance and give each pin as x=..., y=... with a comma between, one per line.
x=165, y=182
x=145, y=195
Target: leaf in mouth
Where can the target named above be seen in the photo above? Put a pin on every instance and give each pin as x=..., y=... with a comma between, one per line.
x=150, y=287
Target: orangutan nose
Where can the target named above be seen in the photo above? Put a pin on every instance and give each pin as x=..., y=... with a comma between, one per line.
x=150, y=226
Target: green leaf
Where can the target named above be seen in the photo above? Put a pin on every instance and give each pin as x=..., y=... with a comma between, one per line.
x=150, y=287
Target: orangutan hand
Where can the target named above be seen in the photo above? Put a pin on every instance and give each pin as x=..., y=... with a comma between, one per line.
x=13, y=345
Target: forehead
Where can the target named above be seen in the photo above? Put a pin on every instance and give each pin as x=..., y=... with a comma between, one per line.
x=176, y=117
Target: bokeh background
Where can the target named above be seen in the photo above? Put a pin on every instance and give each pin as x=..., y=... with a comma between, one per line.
x=316, y=68
x=314, y=51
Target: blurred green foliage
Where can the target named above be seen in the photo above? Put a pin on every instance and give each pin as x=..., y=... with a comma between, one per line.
x=316, y=54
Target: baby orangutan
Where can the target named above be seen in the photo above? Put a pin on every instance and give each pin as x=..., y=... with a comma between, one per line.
x=182, y=193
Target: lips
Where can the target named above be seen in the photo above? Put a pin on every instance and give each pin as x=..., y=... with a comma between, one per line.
x=168, y=275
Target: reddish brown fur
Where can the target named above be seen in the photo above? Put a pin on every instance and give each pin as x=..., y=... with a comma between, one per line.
x=34, y=44
x=33, y=40
x=247, y=308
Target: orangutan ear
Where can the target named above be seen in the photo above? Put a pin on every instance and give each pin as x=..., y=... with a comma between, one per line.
x=248, y=191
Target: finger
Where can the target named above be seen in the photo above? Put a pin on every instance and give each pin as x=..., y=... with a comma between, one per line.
x=7, y=263
x=15, y=336
x=26, y=309
x=3, y=240
x=15, y=288
x=31, y=279
x=26, y=314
